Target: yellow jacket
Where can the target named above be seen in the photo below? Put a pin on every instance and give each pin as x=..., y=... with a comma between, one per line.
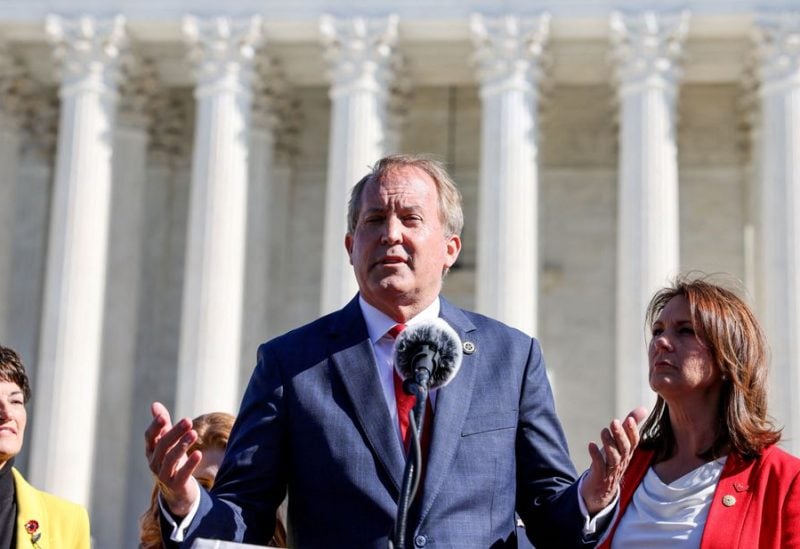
x=45, y=521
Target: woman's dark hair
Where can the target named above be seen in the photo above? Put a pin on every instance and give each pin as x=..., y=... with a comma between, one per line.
x=739, y=349
x=12, y=369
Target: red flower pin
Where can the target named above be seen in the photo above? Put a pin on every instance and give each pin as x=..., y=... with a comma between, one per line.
x=32, y=527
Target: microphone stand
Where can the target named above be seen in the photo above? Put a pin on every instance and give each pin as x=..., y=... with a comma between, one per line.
x=411, y=474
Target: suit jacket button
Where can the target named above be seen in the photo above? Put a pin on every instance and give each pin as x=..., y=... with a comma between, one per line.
x=420, y=541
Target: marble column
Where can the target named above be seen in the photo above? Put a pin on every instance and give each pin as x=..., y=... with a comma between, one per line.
x=72, y=322
x=223, y=51
x=10, y=78
x=646, y=50
x=359, y=53
x=780, y=202
x=123, y=292
x=268, y=96
x=508, y=56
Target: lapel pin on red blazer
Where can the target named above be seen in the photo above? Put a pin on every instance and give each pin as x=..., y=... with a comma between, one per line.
x=728, y=500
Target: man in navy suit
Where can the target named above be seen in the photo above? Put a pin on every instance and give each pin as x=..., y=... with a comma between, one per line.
x=319, y=420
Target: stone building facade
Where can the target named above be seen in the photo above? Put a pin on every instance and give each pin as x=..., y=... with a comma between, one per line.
x=174, y=180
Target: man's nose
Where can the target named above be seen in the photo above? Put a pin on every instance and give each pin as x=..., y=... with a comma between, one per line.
x=392, y=231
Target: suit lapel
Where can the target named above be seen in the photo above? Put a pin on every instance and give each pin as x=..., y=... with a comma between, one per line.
x=358, y=371
x=452, y=405
x=356, y=367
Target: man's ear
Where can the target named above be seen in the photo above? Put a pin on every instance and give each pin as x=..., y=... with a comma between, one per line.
x=453, y=248
x=348, y=245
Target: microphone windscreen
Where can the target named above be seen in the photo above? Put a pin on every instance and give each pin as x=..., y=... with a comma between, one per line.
x=437, y=334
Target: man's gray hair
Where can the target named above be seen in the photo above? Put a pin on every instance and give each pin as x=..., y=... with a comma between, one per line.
x=450, y=210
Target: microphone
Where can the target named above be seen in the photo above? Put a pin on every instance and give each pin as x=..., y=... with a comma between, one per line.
x=429, y=353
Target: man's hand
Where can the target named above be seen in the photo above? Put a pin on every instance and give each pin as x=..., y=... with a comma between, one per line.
x=620, y=439
x=165, y=447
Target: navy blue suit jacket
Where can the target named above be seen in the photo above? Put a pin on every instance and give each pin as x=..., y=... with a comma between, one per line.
x=314, y=421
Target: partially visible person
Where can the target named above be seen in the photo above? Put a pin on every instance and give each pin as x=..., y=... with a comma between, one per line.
x=213, y=431
x=707, y=472
x=29, y=517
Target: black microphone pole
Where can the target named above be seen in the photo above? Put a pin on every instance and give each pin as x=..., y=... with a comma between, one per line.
x=418, y=387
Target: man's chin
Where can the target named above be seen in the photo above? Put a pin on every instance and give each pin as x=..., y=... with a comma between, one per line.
x=390, y=286
x=383, y=275
x=393, y=285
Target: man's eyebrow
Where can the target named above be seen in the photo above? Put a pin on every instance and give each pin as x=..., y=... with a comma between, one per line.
x=410, y=207
x=401, y=208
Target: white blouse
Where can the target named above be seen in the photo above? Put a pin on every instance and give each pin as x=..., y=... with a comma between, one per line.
x=669, y=515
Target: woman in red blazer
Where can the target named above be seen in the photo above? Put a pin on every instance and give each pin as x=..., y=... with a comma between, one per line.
x=707, y=473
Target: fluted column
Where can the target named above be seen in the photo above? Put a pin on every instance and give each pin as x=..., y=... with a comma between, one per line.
x=508, y=55
x=69, y=363
x=211, y=327
x=123, y=292
x=646, y=49
x=267, y=99
x=780, y=243
x=359, y=52
x=10, y=79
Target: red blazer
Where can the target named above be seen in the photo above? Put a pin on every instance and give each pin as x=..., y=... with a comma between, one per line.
x=756, y=503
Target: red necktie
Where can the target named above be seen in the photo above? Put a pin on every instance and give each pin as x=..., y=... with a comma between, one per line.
x=405, y=403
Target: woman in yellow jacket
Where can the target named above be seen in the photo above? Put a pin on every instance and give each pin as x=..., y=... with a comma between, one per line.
x=29, y=519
